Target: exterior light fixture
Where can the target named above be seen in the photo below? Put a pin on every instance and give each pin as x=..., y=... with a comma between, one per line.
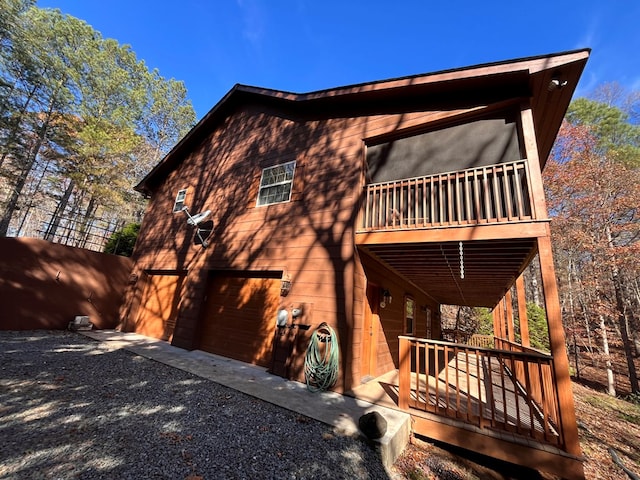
x=386, y=298
x=285, y=285
x=556, y=84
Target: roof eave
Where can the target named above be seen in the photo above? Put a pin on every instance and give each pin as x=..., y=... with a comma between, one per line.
x=537, y=67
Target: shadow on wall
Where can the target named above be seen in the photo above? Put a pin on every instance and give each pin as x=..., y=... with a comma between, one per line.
x=45, y=285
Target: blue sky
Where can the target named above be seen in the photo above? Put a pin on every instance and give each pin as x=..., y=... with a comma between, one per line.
x=306, y=45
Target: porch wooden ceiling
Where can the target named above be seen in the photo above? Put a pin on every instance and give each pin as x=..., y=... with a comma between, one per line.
x=490, y=267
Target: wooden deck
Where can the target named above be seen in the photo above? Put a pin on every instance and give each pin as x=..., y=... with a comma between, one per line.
x=471, y=399
x=474, y=402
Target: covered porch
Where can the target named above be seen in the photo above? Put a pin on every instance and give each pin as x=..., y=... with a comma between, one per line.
x=466, y=238
x=499, y=403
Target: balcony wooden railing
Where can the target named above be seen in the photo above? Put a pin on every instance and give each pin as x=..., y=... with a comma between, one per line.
x=490, y=194
x=503, y=390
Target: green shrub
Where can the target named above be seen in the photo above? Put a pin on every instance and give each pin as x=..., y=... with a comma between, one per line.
x=123, y=241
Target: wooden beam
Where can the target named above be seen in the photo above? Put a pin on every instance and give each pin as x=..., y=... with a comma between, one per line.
x=455, y=234
x=568, y=424
x=522, y=312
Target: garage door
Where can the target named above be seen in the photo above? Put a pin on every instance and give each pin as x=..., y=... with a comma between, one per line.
x=159, y=306
x=240, y=316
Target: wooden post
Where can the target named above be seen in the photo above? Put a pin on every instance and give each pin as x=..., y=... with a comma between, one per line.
x=503, y=325
x=509, y=316
x=522, y=312
x=560, y=363
x=404, y=373
x=533, y=160
x=497, y=321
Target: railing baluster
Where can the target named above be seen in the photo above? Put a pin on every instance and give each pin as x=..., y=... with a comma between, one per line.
x=528, y=387
x=456, y=179
x=424, y=202
x=450, y=219
x=518, y=190
x=436, y=366
x=442, y=199
x=446, y=379
x=515, y=369
x=459, y=413
x=496, y=197
x=416, y=349
x=485, y=190
x=469, y=405
x=543, y=403
x=507, y=190
x=479, y=382
x=427, y=374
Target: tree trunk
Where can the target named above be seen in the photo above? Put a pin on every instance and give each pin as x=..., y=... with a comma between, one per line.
x=86, y=222
x=33, y=194
x=572, y=315
x=622, y=320
x=54, y=223
x=611, y=385
x=24, y=174
x=11, y=137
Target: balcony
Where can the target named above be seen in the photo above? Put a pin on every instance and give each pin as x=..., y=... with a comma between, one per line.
x=484, y=195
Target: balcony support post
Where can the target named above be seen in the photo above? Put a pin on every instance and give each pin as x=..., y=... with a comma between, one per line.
x=535, y=168
x=509, y=316
x=567, y=420
x=522, y=312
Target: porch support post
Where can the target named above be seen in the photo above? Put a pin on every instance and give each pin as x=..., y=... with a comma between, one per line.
x=560, y=362
x=404, y=373
x=509, y=316
x=522, y=312
x=499, y=329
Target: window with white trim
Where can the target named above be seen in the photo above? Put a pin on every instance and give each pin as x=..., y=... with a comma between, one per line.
x=180, y=198
x=409, y=315
x=276, y=183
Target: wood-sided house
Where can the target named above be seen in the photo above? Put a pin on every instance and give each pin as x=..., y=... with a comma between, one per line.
x=367, y=207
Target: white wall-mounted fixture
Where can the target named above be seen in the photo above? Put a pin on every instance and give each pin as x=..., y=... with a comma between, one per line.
x=283, y=318
x=556, y=84
x=196, y=220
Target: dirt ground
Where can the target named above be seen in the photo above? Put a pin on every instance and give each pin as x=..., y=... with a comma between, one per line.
x=605, y=424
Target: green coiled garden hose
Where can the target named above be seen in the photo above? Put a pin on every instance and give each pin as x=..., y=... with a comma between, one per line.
x=322, y=362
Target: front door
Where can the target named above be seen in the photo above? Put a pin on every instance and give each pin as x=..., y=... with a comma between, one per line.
x=370, y=331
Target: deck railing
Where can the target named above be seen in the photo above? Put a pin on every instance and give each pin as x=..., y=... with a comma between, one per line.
x=499, y=389
x=490, y=194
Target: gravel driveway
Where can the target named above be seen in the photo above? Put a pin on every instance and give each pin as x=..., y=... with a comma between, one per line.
x=72, y=408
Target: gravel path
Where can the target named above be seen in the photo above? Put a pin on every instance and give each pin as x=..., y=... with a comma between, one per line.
x=72, y=408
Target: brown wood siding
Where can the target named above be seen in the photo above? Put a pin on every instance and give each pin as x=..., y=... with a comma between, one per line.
x=239, y=318
x=310, y=237
x=391, y=317
x=157, y=315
